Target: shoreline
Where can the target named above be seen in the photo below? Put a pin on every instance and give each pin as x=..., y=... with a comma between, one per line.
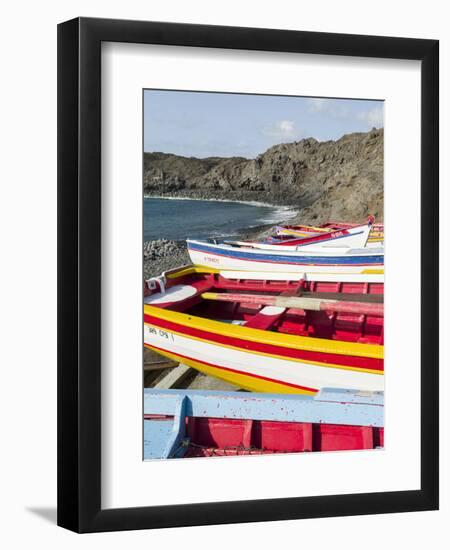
x=163, y=254
x=280, y=215
x=232, y=201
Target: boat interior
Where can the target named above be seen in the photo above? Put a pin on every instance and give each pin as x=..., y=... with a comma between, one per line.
x=235, y=301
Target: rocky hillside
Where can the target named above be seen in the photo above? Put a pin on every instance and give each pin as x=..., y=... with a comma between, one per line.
x=340, y=180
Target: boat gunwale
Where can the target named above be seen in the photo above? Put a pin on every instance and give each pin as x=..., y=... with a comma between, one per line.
x=297, y=342
x=189, y=269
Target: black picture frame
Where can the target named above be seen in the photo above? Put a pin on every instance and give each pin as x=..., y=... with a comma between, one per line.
x=79, y=274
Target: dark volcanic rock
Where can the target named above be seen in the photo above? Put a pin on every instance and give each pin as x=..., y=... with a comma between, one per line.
x=161, y=255
x=340, y=180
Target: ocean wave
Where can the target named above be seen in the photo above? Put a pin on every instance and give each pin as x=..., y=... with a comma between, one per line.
x=250, y=203
x=211, y=226
x=281, y=214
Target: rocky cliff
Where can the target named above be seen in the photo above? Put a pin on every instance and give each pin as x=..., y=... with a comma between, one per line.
x=339, y=180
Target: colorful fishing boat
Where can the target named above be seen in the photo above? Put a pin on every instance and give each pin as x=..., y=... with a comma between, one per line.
x=355, y=237
x=376, y=236
x=377, y=228
x=266, y=257
x=193, y=423
x=278, y=332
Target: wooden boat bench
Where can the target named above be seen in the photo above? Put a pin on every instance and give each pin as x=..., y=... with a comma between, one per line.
x=266, y=318
x=180, y=297
x=269, y=315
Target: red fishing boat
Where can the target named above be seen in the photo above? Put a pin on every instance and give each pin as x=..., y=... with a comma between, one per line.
x=354, y=237
x=270, y=332
x=376, y=236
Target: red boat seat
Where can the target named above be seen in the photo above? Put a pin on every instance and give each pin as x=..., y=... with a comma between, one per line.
x=265, y=318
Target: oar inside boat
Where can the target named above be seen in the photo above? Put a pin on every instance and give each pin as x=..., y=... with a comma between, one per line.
x=256, y=332
x=313, y=304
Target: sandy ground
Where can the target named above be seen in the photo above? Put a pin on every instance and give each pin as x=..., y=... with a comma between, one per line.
x=162, y=255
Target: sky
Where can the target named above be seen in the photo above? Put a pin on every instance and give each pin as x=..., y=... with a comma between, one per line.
x=202, y=124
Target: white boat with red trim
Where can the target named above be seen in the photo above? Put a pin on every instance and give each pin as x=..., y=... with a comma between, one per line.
x=376, y=236
x=270, y=332
x=354, y=237
x=248, y=257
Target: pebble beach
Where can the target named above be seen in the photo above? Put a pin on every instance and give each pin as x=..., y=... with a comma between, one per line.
x=163, y=254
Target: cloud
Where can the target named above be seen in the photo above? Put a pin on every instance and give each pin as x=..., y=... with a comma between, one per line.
x=281, y=129
x=328, y=107
x=317, y=105
x=372, y=117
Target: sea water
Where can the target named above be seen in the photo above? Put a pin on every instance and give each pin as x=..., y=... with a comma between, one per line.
x=178, y=219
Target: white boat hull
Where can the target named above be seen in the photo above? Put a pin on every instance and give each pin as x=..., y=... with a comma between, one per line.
x=291, y=373
x=248, y=259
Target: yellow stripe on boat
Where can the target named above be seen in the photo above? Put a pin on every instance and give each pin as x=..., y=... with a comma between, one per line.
x=189, y=270
x=247, y=382
x=372, y=272
x=320, y=345
x=273, y=355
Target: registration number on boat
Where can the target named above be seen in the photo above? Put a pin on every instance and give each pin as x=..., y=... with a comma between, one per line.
x=159, y=333
x=211, y=260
